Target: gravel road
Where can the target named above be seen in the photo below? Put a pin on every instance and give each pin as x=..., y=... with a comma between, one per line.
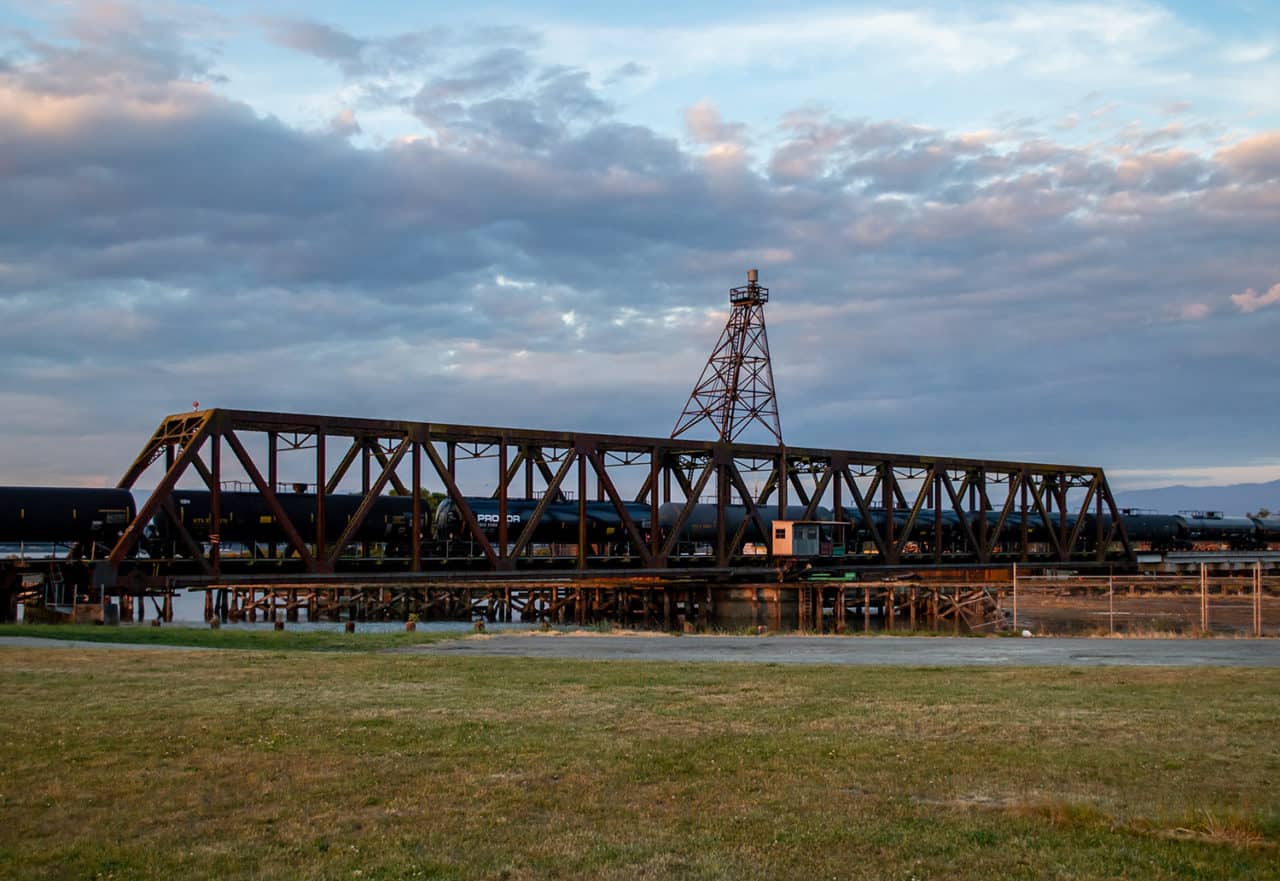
x=36, y=642
x=893, y=651
x=876, y=651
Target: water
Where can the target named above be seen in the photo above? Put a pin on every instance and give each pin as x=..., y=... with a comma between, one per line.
x=369, y=626
x=188, y=609
x=41, y=550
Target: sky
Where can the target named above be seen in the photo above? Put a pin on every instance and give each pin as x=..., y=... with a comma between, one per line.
x=1042, y=231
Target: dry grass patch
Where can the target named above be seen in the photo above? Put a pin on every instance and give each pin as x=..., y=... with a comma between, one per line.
x=282, y=765
x=1229, y=827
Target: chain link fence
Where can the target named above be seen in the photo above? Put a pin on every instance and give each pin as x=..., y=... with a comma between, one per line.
x=1243, y=603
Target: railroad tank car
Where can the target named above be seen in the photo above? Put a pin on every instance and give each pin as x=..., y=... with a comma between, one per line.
x=925, y=521
x=1159, y=531
x=923, y=530
x=63, y=515
x=701, y=525
x=245, y=518
x=1238, y=533
x=559, y=521
x=878, y=518
x=1037, y=529
x=860, y=534
x=557, y=525
x=1010, y=536
x=1267, y=530
x=1010, y=532
x=925, y=526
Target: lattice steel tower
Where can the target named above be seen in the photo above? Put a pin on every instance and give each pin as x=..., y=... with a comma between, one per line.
x=736, y=386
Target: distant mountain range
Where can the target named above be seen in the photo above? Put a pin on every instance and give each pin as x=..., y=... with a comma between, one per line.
x=1238, y=498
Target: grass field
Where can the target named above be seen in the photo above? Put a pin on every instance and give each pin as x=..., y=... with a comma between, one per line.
x=274, y=765
x=204, y=637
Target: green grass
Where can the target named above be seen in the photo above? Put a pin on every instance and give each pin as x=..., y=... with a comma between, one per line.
x=204, y=637
x=284, y=765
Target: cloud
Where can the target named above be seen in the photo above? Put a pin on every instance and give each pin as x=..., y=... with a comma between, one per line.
x=1248, y=53
x=626, y=71
x=1251, y=301
x=103, y=46
x=1194, y=311
x=1254, y=158
x=705, y=125
x=1043, y=39
x=502, y=98
x=354, y=56
x=935, y=290
x=318, y=39
x=494, y=71
x=953, y=59
x=1138, y=478
x=345, y=124
x=384, y=56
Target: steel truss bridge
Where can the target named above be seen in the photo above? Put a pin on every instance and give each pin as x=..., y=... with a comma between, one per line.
x=1060, y=511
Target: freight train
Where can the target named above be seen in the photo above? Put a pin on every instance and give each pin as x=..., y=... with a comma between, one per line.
x=1190, y=530
x=85, y=523
x=74, y=518
x=88, y=522
x=559, y=521
x=1185, y=531
x=245, y=519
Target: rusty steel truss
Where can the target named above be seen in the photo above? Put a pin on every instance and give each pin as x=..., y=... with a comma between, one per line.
x=1065, y=514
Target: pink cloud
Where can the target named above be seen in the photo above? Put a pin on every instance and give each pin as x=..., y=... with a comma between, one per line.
x=1252, y=301
x=1257, y=156
x=345, y=123
x=706, y=126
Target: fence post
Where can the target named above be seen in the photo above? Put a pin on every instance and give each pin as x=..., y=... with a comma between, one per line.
x=1111, y=601
x=1204, y=601
x=1015, y=598
x=1257, y=599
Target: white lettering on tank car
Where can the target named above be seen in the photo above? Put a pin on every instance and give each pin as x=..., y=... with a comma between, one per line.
x=493, y=519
